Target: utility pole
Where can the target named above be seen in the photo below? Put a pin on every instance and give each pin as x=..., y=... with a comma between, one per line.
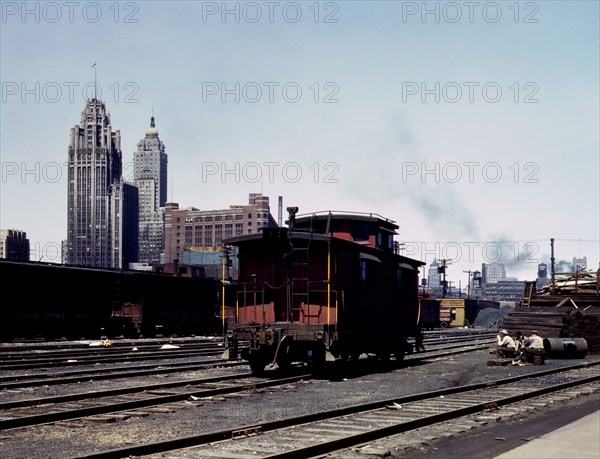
x=552, y=266
x=468, y=283
x=398, y=247
x=442, y=271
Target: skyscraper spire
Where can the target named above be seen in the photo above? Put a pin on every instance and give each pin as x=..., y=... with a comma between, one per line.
x=150, y=175
x=95, y=82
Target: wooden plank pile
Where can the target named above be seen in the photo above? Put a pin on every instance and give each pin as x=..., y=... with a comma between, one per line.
x=584, y=324
x=582, y=282
x=569, y=308
x=547, y=321
x=558, y=322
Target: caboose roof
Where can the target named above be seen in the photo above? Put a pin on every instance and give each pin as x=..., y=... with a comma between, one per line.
x=283, y=233
x=355, y=217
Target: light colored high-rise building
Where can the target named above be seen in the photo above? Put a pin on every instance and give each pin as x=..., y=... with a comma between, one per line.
x=94, y=237
x=434, y=279
x=493, y=272
x=150, y=175
x=579, y=264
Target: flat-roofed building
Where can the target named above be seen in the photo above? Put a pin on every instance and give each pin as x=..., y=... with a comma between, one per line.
x=194, y=229
x=14, y=245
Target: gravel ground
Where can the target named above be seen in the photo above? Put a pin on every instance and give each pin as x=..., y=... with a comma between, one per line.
x=368, y=382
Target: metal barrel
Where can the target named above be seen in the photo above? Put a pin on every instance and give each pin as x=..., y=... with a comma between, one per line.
x=565, y=348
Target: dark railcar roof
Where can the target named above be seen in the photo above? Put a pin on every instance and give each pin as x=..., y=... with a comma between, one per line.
x=281, y=233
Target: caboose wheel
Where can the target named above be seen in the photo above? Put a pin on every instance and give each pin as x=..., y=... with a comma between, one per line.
x=257, y=364
x=400, y=353
x=283, y=358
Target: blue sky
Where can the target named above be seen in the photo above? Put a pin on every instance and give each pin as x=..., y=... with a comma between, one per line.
x=476, y=130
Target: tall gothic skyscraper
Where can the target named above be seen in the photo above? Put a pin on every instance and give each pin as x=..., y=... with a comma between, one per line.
x=150, y=174
x=101, y=205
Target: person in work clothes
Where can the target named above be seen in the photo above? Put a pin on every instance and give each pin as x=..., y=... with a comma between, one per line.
x=506, y=345
x=534, y=345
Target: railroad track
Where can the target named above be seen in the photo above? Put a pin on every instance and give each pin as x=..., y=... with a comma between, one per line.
x=334, y=430
x=28, y=356
x=77, y=376
x=18, y=413
x=120, y=402
x=54, y=378
x=132, y=355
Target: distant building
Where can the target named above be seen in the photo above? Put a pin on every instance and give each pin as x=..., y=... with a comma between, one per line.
x=505, y=290
x=64, y=251
x=124, y=219
x=14, y=245
x=195, y=229
x=579, y=263
x=563, y=266
x=216, y=263
x=542, y=277
x=492, y=272
x=94, y=237
x=434, y=279
x=150, y=175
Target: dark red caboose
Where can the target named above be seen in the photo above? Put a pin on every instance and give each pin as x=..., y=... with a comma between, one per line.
x=330, y=286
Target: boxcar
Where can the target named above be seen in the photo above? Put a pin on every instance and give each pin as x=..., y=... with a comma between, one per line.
x=327, y=287
x=429, y=316
x=74, y=302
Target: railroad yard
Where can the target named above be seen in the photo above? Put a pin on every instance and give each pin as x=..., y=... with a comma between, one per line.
x=176, y=398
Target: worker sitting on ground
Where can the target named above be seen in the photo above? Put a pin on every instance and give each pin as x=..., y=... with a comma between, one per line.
x=534, y=345
x=519, y=341
x=506, y=345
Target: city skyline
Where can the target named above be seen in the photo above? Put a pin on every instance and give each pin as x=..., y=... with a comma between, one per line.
x=352, y=107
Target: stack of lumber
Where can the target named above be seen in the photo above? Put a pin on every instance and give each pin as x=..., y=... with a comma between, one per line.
x=584, y=324
x=547, y=321
x=581, y=282
x=563, y=321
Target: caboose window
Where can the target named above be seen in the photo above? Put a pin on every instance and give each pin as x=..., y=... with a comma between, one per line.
x=368, y=267
x=360, y=233
x=363, y=270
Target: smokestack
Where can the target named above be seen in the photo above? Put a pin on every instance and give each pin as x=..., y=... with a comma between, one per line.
x=280, y=212
x=552, y=266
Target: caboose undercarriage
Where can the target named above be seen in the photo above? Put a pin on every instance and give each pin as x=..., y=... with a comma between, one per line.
x=280, y=344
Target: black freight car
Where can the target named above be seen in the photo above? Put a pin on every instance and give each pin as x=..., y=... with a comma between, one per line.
x=75, y=302
x=429, y=315
x=328, y=287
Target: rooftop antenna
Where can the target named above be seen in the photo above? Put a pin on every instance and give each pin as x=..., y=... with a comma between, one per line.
x=95, y=82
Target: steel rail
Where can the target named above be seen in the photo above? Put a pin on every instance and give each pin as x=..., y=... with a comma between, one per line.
x=94, y=351
x=80, y=344
x=55, y=362
x=69, y=377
